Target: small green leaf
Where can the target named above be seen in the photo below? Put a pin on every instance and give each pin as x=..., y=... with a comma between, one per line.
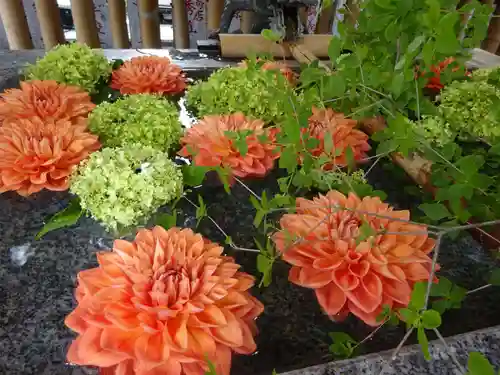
x=193, y=174
x=441, y=305
x=416, y=43
x=495, y=277
x=211, y=368
x=334, y=86
x=343, y=345
x=259, y=216
x=328, y=140
x=435, y=211
x=65, y=218
x=431, y=319
x=417, y=301
x=397, y=84
x=265, y=266
x=410, y=317
x=271, y=35
x=334, y=48
x=201, y=210
x=424, y=343
x=442, y=288
x=167, y=221
x=349, y=155
x=288, y=159
x=457, y=294
x=478, y=364
x=365, y=232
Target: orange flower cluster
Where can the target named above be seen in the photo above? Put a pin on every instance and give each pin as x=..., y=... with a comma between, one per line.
x=326, y=122
x=434, y=82
x=149, y=74
x=163, y=304
x=282, y=67
x=45, y=99
x=350, y=273
x=43, y=136
x=209, y=145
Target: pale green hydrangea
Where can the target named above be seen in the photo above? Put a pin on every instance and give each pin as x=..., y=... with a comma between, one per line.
x=435, y=130
x=256, y=92
x=482, y=74
x=469, y=108
x=122, y=186
x=73, y=64
x=144, y=119
x=327, y=180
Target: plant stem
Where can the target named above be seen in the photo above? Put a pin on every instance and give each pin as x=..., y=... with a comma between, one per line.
x=397, y=350
x=247, y=188
x=478, y=289
x=433, y=269
x=450, y=351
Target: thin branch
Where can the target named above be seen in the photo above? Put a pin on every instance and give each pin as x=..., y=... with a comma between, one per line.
x=373, y=165
x=247, y=188
x=478, y=289
x=372, y=333
x=418, y=99
x=397, y=350
x=450, y=351
x=471, y=226
x=433, y=269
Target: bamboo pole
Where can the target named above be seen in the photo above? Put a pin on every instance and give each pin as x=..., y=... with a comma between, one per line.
x=118, y=23
x=85, y=24
x=246, y=21
x=15, y=24
x=492, y=41
x=214, y=11
x=325, y=20
x=48, y=15
x=180, y=24
x=149, y=19
x=352, y=11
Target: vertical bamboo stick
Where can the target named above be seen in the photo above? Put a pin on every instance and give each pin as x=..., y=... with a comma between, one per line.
x=48, y=15
x=353, y=11
x=149, y=18
x=214, y=11
x=15, y=24
x=325, y=20
x=118, y=23
x=246, y=21
x=85, y=25
x=492, y=41
x=180, y=23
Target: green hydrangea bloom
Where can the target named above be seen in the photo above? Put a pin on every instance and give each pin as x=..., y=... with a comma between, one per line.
x=73, y=64
x=467, y=107
x=435, y=130
x=121, y=186
x=251, y=90
x=143, y=119
x=328, y=180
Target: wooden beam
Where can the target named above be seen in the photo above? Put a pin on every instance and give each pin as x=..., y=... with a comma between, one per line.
x=149, y=19
x=180, y=24
x=240, y=45
x=15, y=24
x=49, y=17
x=85, y=24
x=118, y=23
x=214, y=11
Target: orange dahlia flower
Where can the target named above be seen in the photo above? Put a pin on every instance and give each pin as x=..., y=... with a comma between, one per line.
x=46, y=100
x=210, y=146
x=149, y=74
x=350, y=273
x=326, y=122
x=282, y=67
x=161, y=305
x=434, y=82
x=38, y=154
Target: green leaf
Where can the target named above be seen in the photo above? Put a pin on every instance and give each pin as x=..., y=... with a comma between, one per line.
x=343, y=344
x=424, y=343
x=288, y=159
x=435, y=211
x=495, y=277
x=416, y=43
x=457, y=294
x=65, y=218
x=397, y=84
x=328, y=142
x=442, y=288
x=417, y=301
x=265, y=266
x=193, y=174
x=167, y=221
x=349, y=155
x=271, y=35
x=201, y=210
x=211, y=368
x=410, y=317
x=441, y=305
x=365, y=232
x=478, y=364
x=334, y=48
x=401, y=63
x=431, y=319
x=334, y=86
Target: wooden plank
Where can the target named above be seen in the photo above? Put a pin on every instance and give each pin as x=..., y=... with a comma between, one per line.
x=240, y=45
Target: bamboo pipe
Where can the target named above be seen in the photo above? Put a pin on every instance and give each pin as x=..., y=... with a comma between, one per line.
x=118, y=23
x=492, y=41
x=48, y=15
x=149, y=19
x=325, y=20
x=180, y=24
x=85, y=24
x=246, y=21
x=214, y=11
x=15, y=24
x=352, y=11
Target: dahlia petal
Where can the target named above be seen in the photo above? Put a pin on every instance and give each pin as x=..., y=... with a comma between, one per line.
x=368, y=296
x=416, y=272
x=312, y=278
x=399, y=291
x=402, y=250
x=171, y=367
x=201, y=342
x=326, y=263
x=118, y=340
x=150, y=348
x=331, y=298
x=90, y=350
x=369, y=318
x=212, y=316
x=248, y=346
x=345, y=280
x=230, y=334
x=178, y=330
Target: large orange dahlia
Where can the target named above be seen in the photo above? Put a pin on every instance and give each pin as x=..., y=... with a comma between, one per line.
x=149, y=74
x=46, y=100
x=162, y=305
x=325, y=122
x=349, y=273
x=38, y=154
x=209, y=145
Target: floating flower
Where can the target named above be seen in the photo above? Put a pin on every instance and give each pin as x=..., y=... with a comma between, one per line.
x=45, y=99
x=210, y=145
x=162, y=304
x=282, y=67
x=327, y=123
x=145, y=119
x=149, y=74
x=251, y=90
x=38, y=154
x=122, y=186
x=355, y=262
x=73, y=64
